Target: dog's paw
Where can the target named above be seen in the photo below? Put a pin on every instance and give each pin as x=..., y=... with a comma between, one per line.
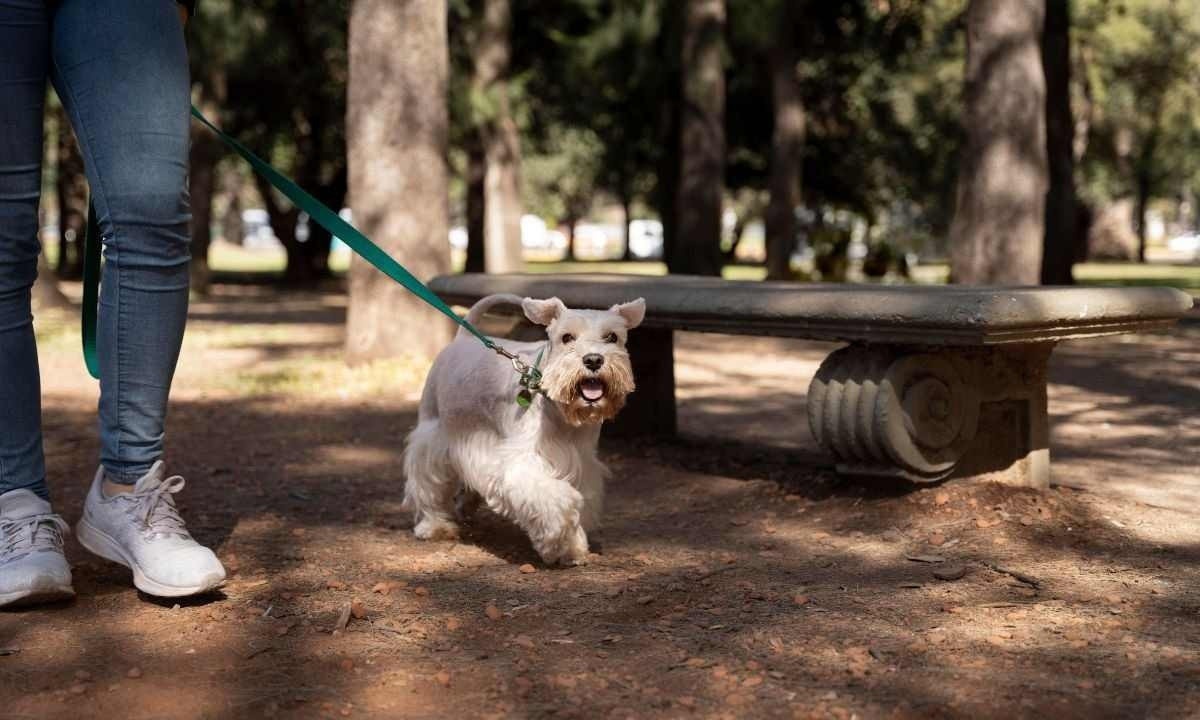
x=567, y=550
x=436, y=529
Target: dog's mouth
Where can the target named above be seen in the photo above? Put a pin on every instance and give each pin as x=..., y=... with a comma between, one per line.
x=591, y=389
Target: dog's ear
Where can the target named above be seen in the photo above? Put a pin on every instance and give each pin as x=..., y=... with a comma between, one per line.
x=543, y=312
x=633, y=312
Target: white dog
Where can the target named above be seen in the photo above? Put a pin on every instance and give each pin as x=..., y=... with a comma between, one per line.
x=534, y=465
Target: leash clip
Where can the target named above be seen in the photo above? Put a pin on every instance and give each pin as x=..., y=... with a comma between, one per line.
x=531, y=375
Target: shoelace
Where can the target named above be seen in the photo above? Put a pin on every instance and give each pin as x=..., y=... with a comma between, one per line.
x=35, y=532
x=155, y=508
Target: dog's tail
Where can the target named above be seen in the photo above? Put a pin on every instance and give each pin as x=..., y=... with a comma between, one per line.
x=479, y=309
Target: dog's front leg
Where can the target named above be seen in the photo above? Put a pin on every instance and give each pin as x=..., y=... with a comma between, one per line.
x=546, y=508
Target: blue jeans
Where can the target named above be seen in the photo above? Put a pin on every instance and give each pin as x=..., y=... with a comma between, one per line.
x=120, y=68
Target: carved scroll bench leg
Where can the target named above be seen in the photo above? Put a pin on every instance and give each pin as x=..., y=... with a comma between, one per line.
x=931, y=413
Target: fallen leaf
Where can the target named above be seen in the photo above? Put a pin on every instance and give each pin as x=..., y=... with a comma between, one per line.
x=493, y=612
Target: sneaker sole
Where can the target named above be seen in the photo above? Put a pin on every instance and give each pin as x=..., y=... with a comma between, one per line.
x=54, y=593
x=100, y=543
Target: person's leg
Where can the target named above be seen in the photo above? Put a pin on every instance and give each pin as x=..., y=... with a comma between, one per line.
x=121, y=70
x=24, y=53
x=32, y=566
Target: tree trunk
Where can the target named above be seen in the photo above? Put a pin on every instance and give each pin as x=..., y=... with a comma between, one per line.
x=739, y=232
x=787, y=159
x=308, y=261
x=46, y=293
x=397, y=137
x=696, y=247
x=202, y=182
x=1142, y=204
x=999, y=223
x=569, y=255
x=501, y=142
x=1144, y=180
x=476, y=169
x=627, y=216
x=71, y=187
x=1059, y=246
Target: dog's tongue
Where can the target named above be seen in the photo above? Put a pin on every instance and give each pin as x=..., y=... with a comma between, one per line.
x=592, y=389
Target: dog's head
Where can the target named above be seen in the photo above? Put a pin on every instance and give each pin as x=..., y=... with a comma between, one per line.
x=586, y=368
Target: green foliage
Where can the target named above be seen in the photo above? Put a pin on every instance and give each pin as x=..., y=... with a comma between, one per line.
x=1138, y=90
x=560, y=176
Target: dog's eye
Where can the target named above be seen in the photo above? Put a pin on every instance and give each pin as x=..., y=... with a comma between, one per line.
x=567, y=339
x=610, y=338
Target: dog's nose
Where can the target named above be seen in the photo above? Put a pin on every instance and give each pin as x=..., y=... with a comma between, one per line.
x=593, y=361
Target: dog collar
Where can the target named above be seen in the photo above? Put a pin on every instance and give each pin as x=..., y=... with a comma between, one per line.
x=531, y=379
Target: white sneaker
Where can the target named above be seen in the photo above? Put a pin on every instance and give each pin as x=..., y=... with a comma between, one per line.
x=32, y=566
x=142, y=530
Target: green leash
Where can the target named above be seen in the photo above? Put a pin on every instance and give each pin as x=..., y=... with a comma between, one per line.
x=326, y=218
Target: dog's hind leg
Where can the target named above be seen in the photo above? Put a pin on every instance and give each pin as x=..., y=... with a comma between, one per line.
x=430, y=484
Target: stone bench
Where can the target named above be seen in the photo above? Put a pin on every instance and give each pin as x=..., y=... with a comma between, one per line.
x=933, y=382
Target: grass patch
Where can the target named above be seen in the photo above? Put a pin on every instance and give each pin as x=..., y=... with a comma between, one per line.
x=326, y=376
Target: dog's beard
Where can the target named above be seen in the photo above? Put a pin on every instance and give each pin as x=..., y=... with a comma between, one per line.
x=587, y=397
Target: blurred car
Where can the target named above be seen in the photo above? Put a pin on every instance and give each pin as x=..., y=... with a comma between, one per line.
x=646, y=239
x=1188, y=244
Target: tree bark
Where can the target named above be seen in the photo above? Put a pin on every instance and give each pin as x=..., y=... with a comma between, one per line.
x=569, y=253
x=696, y=247
x=46, y=293
x=627, y=216
x=397, y=137
x=1059, y=245
x=71, y=188
x=999, y=224
x=787, y=159
x=476, y=169
x=202, y=183
x=1144, y=182
x=501, y=142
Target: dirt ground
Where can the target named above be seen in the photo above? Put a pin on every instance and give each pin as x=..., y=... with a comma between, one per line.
x=736, y=576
